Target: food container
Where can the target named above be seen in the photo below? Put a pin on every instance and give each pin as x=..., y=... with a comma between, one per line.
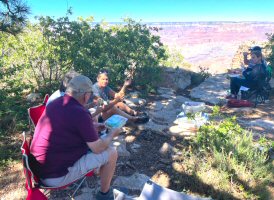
x=193, y=107
x=115, y=121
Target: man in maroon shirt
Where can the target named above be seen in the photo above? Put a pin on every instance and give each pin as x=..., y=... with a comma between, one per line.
x=65, y=143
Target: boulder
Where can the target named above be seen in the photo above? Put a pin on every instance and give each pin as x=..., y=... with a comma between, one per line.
x=133, y=182
x=163, y=113
x=120, y=144
x=213, y=90
x=32, y=97
x=166, y=149
x=135, y=102
x=177, y=78
x=264, y=124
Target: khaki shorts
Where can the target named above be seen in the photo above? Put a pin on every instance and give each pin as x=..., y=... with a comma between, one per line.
x=86, y=163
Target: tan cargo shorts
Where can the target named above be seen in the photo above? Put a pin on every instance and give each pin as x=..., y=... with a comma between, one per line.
x=85, y=164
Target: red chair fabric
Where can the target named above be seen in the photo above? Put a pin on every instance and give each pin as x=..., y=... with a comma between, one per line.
x=36, y=111
x=33, y=183
x=36, y=194
x=33, y=193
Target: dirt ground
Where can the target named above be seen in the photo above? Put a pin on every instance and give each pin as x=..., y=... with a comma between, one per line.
x=147, y=160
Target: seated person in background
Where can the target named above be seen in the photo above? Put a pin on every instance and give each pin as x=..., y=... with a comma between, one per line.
x=62, y=88
x=116, y=105
x=253, y=75
x=63, y=85
x=249, y=62
x=66, y=145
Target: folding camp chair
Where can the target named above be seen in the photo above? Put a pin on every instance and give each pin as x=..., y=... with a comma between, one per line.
x=260, y=93
x=36, y=112
x=33, y=183
x=153, y=191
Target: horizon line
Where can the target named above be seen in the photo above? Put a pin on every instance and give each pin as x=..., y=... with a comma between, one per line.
x=162, y=22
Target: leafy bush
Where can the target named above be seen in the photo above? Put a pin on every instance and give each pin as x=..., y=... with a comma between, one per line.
x=234, y=152
x=270, y=47
x=36, y=59
x=199, y=77
x=175, y=59
x=119, y=48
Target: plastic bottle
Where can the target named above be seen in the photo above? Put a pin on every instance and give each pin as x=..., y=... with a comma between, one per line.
x=239, y=96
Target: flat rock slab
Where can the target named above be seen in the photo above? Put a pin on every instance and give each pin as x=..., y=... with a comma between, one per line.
x=181, y=99
x=153, y=127
x=213, y=90
x=133, y=182
x=179, y=131
x=135, y=102
x=163, y=113
x=32, y=97
x=87, y=193
x=167, y=91
x=265, y=124
x=120, y=144
x=242, y=110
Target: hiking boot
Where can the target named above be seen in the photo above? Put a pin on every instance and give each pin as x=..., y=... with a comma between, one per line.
x=143, y=114
x=142, y=119
x=108, y=196
x=119, y=193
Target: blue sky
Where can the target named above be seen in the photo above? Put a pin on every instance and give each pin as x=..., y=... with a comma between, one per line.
x=158, y=10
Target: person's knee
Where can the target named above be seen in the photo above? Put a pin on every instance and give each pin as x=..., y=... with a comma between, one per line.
x=233, y=80
x=108, y=113
x=119, y=104
x=116, y=109
x=113, y=154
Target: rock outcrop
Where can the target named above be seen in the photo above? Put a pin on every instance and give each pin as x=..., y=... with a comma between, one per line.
x=213, y=90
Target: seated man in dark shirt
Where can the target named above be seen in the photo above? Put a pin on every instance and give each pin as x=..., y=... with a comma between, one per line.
x=66, y=145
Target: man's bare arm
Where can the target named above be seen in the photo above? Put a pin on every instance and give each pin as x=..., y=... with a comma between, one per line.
x=246, y=61
x=102, y=144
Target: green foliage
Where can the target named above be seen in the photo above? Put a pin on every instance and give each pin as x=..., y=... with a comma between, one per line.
x=192, y=116
x=270, y=47
x=199, y=77
x=37, y=58
x=87, y=49
x=232, y=148
x=13, y=15
x=216, y=111
x=175, y=59
x=204, y=72
x=120, y=48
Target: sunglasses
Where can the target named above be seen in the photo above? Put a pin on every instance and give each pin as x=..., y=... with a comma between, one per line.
x=103, y=72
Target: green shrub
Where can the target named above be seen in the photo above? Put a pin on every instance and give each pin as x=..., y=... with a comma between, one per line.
x=234, y=151
x=198, y=78
x=36, y=59
x=270, y=48
x=175, y=59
